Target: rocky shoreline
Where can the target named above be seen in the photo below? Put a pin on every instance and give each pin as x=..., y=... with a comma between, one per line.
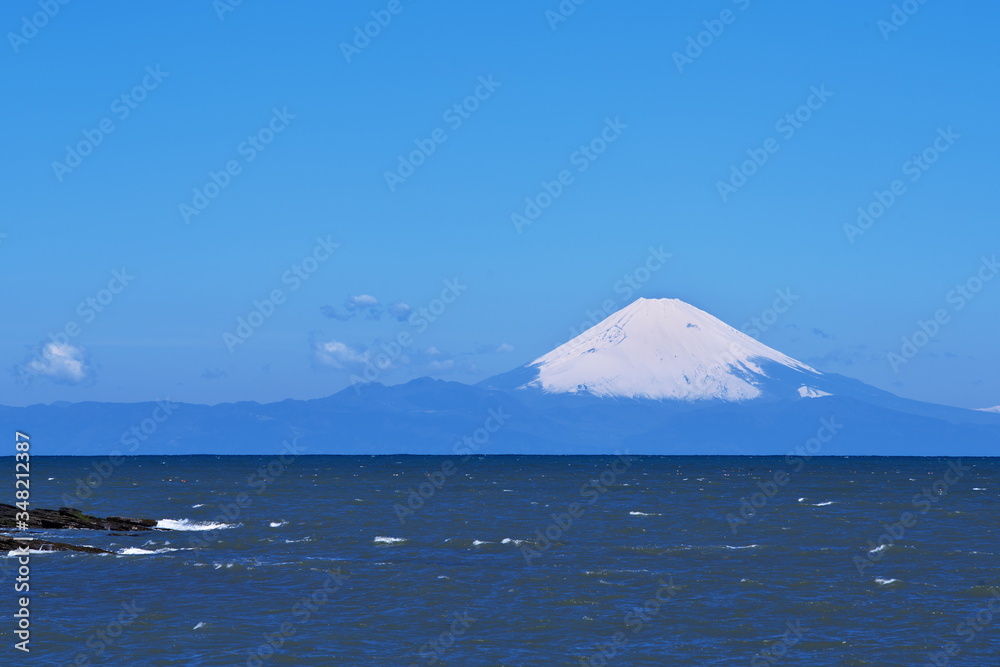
x=64, y=518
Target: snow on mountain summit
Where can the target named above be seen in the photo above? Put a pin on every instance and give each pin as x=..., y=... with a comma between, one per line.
x=660, y=349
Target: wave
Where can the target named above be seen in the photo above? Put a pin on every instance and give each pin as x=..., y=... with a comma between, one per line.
x=824, y=504
x=659, y=549
x=278, y=524
x=644, y=514
x=388, y=540
x=606, y=572
x=879, y=549
x=188, y=524
x=508, y=540
x=15, y=553
x=136, y=551
x=882, y=581
x=476, y=543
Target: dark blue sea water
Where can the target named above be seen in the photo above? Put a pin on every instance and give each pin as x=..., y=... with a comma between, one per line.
x=407, y=560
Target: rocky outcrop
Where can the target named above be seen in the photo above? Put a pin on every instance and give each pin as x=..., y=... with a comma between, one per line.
x=8, y=544
x=67, y=517
x=63, y=518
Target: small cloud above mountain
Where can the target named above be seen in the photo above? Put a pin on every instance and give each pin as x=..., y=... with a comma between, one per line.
x=60, y=363
x=494, y=348
x=368, y=306
x=339, y=354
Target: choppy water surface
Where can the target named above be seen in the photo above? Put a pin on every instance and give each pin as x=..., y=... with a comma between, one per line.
x=522, y=561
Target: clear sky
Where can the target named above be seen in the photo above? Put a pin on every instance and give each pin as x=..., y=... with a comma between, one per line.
x=201, y=149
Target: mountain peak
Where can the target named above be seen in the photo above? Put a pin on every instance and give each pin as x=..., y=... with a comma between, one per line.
x=661, y=349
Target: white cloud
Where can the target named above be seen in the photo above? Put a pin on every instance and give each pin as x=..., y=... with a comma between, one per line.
x=61, y=363
x=340, y=355
x=362, y=301
x=400, y=311
x=504, y=347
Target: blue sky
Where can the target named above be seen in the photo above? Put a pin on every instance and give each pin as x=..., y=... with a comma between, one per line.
x=253, y=141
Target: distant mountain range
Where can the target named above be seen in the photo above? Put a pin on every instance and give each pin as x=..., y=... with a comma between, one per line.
x=657, y=377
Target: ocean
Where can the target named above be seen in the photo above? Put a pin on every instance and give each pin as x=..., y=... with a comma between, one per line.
x=518, y=560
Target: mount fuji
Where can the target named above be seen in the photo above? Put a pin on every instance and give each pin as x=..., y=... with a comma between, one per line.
x=657, y=377
x=666, y=349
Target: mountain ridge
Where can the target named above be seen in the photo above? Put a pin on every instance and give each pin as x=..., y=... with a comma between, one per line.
x=657, y=377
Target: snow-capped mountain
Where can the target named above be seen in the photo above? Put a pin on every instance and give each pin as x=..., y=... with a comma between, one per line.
x=658, y=377
x=668, y=349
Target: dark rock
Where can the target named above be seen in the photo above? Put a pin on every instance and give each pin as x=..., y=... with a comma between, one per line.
x=8, y=543
x=67, y=517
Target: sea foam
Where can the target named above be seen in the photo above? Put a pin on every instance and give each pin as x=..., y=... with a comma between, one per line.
x=188, y=524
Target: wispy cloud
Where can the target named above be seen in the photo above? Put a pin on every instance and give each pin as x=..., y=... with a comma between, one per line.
x=368, y=306
x=400, y=311
x=337, y=354
x=494, y=348
x=354, y=358
x=846, y=356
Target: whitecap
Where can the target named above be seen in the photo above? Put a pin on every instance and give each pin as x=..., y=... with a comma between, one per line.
x=802, y=500
x=879, y=549
x=14, y=552
x=188, y=524
x=136, y=551
x=194, y=507
x=978, y=488
x=476, y=543
x=278, y=524
x=882, y=581
x=643, y=514
x=507, y=540
x=201, y=624
x=388, y=540
x=824, y=504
